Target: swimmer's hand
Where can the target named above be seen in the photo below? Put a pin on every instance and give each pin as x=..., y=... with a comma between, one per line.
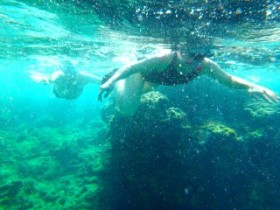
x=105, y=90
x=39, y=78
x=265, y=93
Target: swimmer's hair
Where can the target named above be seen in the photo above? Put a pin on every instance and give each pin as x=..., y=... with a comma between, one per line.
x=200, y=54
x=197, y=52
x=67, y=67
x=197, y=46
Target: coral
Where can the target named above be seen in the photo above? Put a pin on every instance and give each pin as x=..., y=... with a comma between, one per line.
x=152, y=106
x=220, y=129
x=155, y=159
x=154, y=98
x=256, y=134
x=262, y=109
x=174, y=113
x=50, y=167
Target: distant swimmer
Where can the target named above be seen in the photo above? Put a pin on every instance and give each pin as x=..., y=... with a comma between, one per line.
x=67, y=82
x=173, y=68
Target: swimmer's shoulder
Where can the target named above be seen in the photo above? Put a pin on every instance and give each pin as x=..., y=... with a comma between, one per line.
x=207, y=63
x=55, y=75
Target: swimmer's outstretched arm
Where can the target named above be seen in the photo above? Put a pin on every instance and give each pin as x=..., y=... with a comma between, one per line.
x=90, y=78
x=40, y=77
x=44, y=78
x=158, y=62
x=215, y=71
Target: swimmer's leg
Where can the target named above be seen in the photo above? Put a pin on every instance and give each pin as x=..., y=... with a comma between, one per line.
x=128, y=93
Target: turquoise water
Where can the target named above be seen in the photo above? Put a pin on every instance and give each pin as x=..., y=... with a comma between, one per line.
x=61, y=154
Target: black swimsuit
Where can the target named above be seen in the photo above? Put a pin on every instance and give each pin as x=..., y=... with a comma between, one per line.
x=171, y=76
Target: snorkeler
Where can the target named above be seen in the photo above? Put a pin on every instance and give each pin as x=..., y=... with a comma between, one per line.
x=67, y=82
x=172, y=68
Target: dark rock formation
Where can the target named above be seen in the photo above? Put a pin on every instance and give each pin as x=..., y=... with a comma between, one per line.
x=160, y=161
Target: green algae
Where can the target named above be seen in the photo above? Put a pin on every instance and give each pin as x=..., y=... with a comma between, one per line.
x=174, y=113
x=262, y=109
x=154, y=98
x=256, y=134
x=51, y=167
x=220, y=129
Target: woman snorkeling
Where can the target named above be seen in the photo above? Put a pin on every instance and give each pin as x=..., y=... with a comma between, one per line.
x=172, y=68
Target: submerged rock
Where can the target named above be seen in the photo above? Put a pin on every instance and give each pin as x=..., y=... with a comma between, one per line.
x=146, y=154
x=159, y=160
